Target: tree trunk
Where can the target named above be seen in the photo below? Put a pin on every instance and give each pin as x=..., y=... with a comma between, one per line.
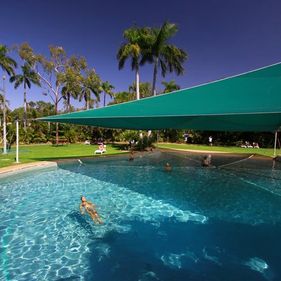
x=57, y=133
x=57, y=124
x=138, y=83
x=87, y=99
x=25, y=107
x=68, y=102
x=104, y=98
x=154, y=77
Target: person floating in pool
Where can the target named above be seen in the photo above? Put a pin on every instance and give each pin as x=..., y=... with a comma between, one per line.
x=90, y=209
x=168, y=167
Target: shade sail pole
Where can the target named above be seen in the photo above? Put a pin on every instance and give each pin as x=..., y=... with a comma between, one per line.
x=275, y=142
x=17, y=141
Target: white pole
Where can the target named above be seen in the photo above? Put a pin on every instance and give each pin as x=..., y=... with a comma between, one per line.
x=17, y=141
x=4, y=119
x=275, y=142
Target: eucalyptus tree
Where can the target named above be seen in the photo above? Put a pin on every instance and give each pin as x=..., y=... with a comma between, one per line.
x=170, y=86
x=26, y=78
x=162, y=54
x=106, y=88
x=135, y=42
x=52, y=71
x=91, y=84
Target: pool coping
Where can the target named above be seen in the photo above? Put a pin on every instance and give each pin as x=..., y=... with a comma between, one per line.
x=26, y=167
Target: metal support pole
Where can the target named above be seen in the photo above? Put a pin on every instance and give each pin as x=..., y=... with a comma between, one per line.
x=17, y=141
x=275, y=142
x=4, y=119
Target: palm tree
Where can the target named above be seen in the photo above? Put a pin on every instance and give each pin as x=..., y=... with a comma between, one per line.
x=6, y=63
x=166, y=56
x=121, y=97
x=2, y=100
x=27, y=78
x=170, y=86
x=106, y=88
x=135, y=42
x=90, y=84
x=68, y=93
x=145, y=89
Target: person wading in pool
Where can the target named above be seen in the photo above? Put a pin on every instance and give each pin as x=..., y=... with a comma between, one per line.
x=167, y=167
x=206, y=161
x=90, y=209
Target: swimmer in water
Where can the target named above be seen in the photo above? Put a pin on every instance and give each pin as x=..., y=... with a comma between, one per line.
x=206, y=161
x=90, y=209
x=131, y=157
x=168, y=167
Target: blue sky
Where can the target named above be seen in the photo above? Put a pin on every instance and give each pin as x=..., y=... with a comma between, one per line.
x=221, y=37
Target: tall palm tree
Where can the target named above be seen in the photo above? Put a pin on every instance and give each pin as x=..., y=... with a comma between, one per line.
x=27, y=78
x=135, y=42
x=6, y=63
x=91, y=84
x=170, y=86
x=166, y=56
x=106, y=88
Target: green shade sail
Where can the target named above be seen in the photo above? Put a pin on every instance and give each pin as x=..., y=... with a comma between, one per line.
x=246, y=102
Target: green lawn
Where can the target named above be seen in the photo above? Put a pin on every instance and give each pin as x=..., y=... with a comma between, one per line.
x=230, y=149
x=31, y=153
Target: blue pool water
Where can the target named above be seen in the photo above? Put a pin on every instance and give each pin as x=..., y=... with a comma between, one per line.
x=189, y=224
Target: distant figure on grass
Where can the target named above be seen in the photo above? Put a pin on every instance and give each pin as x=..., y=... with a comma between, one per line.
x=90, y=209
x=206, y=161
x=186, y=135
x=102, y=149
x=168, y=167
x=256, y=145
x=210, y=140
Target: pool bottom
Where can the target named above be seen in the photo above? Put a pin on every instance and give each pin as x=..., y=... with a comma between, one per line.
x=158, y=226
x=219, y=251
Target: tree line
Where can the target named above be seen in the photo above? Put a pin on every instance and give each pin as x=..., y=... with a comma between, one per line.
x=64, y=78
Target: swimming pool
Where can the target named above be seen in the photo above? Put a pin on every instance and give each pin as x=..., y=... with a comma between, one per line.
x=188, y=224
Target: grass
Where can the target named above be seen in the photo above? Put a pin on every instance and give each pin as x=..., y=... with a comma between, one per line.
x=45, y=152
x=230, y=149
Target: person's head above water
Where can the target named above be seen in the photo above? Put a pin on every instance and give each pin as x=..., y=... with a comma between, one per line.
x=168, y=167
x=83, y=199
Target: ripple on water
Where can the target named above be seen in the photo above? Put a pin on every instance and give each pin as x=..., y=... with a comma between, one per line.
x=44, y=236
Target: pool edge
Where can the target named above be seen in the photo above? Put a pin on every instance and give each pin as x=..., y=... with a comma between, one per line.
x=21, y=168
